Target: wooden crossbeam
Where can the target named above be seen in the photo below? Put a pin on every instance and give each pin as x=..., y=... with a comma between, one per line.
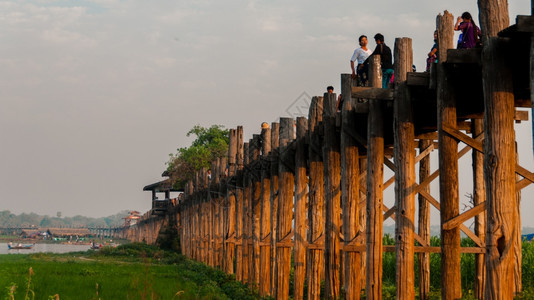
x=424, y=153
x=463, y=228
x=427, y=136
x=430, y=249
x=456, y=221
x=372, y=93
x=390, y=213
x=389, y=164
x=519, y=115
x=462, y=137
x=477, y=145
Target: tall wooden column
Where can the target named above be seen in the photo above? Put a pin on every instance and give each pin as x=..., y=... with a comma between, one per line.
x=231, y=196
x=499, y=152
x=404, y=151
x=424, y=222
x=375, y=179
x=353, y=233
x=275, y=142
x=246, y=202
x=332, y=194
x=285, y=209
x=239, y=206
x=256, y=210
x=265, y=223
x=316, y=201
x=448, y=166
x=301, y=199
x=479, y=196
x=499, y=169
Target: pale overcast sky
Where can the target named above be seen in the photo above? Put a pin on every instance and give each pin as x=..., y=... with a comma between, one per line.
x=95, y=94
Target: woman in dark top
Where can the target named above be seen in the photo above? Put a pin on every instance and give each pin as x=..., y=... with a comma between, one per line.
x=470, y=32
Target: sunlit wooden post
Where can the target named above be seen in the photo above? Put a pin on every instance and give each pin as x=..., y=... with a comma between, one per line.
x=332, y=194
x=375, y=179
x=353, y=232
x=448, y=165
x=301, y=199
x=265, y=223
x=403, y=131
x=274, y=158
x=285, y=209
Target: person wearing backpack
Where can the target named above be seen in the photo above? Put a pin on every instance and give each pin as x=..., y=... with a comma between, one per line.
x=470, y=32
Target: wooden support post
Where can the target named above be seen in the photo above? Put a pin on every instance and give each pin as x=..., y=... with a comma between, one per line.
x=285, y=210
x=223, y=205
x=274, y=158
x=518, y=256
x=301, y=199
x=332, y=194
x=479, y=196
x=265, y=227
x=403, y=131
x=246, y=201
x=239, y=206
x=353, y=233
x=316, y=201
x=231, y=196
x=375, y=179
x=493, y=16
x=250, y=214
x=256, y=210
x=448, y=166
x=424, y=222
x=499, y=169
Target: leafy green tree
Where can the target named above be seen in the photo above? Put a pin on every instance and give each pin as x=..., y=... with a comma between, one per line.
x=209, y=144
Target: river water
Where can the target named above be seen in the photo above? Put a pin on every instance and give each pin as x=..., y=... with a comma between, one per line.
x=54, y=248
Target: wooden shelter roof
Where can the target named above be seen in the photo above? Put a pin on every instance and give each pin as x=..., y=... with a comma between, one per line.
x=162, y=186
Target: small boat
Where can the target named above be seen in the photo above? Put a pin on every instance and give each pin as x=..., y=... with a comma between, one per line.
x=19, y=246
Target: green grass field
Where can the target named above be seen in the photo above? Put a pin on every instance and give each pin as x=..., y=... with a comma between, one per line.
x=129, y=272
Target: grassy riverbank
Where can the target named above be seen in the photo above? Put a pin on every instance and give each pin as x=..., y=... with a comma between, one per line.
x=128, y=272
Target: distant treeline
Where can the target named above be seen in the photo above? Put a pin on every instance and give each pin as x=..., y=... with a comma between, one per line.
x=7, y=219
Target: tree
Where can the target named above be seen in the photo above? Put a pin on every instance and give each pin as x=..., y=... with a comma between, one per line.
x=210, y=143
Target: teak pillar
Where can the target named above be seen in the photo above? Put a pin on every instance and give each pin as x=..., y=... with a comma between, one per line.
x=451, y=287
x=332, y=194
x=375, y=179
x=424, y=222
x=285, y=209
x=265, y=223
x=479, y=196
x=256, y=210
x=231, y=196
x=246, y=201
x=301, y=199
x=404, y=151
x=239, y=206
x=353, y=233
x=275, y=142
x=316, y=201
x=499, y=169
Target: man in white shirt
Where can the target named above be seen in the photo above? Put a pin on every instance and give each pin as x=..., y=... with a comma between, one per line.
x=359, y=56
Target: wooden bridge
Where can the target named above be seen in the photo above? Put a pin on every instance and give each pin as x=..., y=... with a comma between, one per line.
x=315, y=186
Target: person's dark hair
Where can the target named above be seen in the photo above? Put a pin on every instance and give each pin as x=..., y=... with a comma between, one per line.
x=379, y=37
x=361, y=37
x=330, y=88
x=466, y=16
